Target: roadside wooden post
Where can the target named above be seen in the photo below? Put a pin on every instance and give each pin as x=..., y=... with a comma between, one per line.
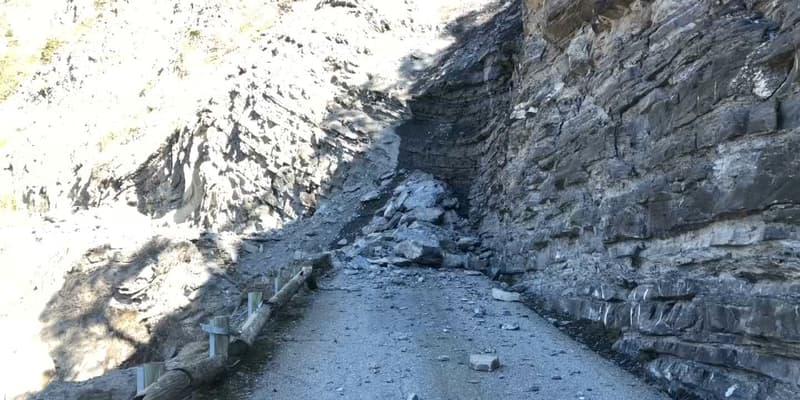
x=311, y=283
x=267, y=286
x=254, y=302
x=218, y=336
x=146, y=375
x=256, y=322
x=195, y=369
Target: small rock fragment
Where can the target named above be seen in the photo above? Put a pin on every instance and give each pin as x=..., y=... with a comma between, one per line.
x=502, y=295
x=443, y=358
x=431, y=214
x=400, y=261
x=373, y=195
x=454, y=260
x=510, y=327
x=468, y=242
x=484, y=362
x=471, y=272
x=413, y=396
x=450, y=202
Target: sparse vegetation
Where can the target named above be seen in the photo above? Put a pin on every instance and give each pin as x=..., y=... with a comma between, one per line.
x=8, y=202
x=117, y=137
x=258, y=20
x=49, y=50
x=11, y=70
x=285, y=5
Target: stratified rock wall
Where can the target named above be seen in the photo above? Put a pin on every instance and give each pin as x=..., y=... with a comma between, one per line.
x=461, y=100
x=646, y=178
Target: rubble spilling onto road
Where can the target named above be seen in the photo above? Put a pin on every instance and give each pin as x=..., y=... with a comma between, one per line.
x=417, y=226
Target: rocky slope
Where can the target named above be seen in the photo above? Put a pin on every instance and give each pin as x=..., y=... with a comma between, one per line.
x=639, y=168
x=159, y=159
x=222, y=115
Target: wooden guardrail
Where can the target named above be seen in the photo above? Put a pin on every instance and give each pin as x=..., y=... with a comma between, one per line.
x=191, y=371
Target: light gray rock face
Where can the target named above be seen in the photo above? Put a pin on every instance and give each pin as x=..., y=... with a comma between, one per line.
x=638, y=162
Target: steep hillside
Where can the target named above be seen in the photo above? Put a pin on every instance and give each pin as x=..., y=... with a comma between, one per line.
x=220, y=114
x=160, y=158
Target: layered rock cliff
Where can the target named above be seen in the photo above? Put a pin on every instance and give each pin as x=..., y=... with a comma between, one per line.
x=639, y=167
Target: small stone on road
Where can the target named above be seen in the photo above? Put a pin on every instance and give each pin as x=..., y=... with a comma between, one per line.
x=510, y=327
x=484, y=362
x=502, y=295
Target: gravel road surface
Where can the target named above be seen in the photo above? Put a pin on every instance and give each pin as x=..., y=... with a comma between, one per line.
x=390, y=333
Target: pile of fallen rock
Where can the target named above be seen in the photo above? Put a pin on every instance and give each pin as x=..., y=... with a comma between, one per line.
x=418, y=226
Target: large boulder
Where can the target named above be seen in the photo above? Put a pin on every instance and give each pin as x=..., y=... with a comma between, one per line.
x=420, y=253
x=421, y=190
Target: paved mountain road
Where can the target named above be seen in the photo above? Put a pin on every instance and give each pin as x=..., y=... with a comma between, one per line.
x=386, y=333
